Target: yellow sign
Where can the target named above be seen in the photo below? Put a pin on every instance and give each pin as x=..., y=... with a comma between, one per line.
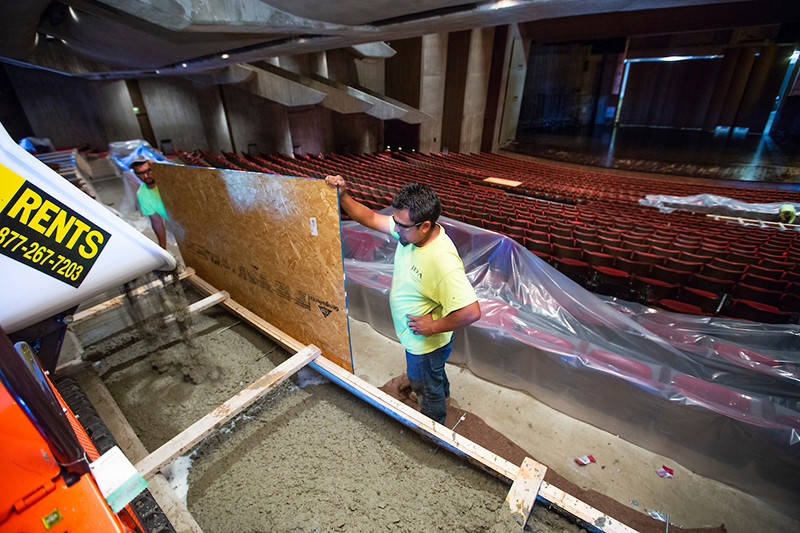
x=43, y=233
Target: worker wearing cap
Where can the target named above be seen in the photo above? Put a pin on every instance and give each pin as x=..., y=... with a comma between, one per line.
x=786, y=214
x=150, y=200
x=430, y=295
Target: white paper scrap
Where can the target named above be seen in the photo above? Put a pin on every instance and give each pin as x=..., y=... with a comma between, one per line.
x=117, y=478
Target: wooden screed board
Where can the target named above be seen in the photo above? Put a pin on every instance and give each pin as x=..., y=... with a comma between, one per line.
x=273, y=242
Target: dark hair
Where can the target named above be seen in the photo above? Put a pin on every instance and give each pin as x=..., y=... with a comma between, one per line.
x=420, y=200
x=137, y=164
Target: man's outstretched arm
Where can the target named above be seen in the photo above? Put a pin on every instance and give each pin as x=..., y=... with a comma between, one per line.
x=426, y=325
x=158, y=227
x=356, y=210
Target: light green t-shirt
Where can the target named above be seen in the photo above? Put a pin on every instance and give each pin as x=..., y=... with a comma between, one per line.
x=790, y=215
x=426, y=280
x=150, y=201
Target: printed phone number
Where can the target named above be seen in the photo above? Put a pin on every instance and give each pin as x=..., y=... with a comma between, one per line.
x=39, y=255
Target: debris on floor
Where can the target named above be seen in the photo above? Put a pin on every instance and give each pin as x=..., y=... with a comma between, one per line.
x=665, y=471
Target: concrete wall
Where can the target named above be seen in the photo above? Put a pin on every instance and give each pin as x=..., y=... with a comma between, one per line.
x=59, y=107
x=476, y=88
x=174, y=113
x=214, y=118
x=458, y=52
x=403, y=71
x=73, y=112
x=255, y=120
x=342, y=67
x=434, y=65
x=372, y=74
x=514, y=90
x=115, y=109
x=495, y=95
x=357, y=133
x=312, y=130
x=306, y=64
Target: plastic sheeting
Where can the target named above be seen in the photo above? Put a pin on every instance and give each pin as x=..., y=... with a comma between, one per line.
x=717, y=205
x=720, y=396
x=34, y=144
x=123, y=154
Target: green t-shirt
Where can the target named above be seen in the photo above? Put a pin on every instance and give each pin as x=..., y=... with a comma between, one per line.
x=789, y=215
x=425, y=280
x=150, y=201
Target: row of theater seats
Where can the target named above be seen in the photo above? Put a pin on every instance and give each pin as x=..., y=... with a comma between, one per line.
x=683, y=262
x=583, y=184
x=192, y=158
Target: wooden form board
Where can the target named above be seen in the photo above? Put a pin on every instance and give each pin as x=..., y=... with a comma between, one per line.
x=422, y=424
x=272, y=242
x=525, y=489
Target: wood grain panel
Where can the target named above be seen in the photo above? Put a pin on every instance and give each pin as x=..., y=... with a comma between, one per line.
x=251, y=235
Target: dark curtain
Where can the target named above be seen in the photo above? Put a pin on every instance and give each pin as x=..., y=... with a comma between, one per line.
x=669, y=94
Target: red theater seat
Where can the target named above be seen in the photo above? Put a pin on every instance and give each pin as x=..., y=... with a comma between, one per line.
x=761, y=282
x=692, y=301
x=548, y=338
x=758, y=312
x=598, y=259
x=743, y=291
x=567, y=252
x=746, y=357
x=622, y=364
x=715, y=397
x=709, y=284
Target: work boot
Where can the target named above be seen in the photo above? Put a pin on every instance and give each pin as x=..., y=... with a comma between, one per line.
x=413, y=397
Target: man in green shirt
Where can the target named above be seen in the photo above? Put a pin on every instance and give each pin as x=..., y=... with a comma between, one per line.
x=430, y=295
x=150, y=200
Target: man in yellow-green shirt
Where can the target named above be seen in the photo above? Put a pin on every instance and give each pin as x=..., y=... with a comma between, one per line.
x=786, y=214
x=430, y=295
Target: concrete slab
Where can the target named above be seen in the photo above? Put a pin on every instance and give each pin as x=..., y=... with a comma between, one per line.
x=131, y=446
x=623, y=471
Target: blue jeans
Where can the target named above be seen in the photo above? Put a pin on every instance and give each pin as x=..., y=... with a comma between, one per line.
x=428, y=380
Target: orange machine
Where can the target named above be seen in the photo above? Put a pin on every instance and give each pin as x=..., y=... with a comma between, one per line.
x=46, y=481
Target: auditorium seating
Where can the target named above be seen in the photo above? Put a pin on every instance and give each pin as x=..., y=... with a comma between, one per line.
x=587, y=224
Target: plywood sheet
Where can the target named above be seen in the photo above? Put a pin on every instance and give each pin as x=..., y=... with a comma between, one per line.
x=273, y=242
x=501, y=181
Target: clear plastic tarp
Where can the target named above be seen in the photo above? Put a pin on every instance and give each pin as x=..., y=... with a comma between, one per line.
x=34, y=144
x=720, y=396
x=717, y=205
x=123, y=153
